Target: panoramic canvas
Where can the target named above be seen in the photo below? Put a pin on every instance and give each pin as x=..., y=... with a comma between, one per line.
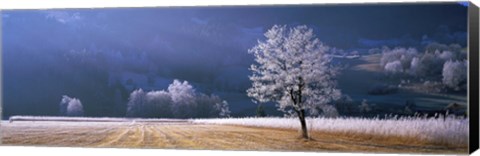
x=389, y=78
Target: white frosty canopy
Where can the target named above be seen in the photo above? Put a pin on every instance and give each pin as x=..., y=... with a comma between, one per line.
x=292, y=69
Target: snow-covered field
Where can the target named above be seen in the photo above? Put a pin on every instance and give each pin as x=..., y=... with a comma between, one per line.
x=449, y=131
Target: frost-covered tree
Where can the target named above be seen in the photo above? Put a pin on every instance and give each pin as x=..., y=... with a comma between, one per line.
x=292, y=69
x=183, y=97
x=158, y=104
x=430, y=65
x=394, y=67
x=206, y=105
x=70, y=106
x=75, y=108
x=446, y=55
x=454, y=74
x=137, y=101
x=415, y=66
x=211, y=106
x=223, y=108
x=64, y=104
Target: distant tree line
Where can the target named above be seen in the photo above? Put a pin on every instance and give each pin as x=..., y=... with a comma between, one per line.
x=179, y=101
x=446, y=64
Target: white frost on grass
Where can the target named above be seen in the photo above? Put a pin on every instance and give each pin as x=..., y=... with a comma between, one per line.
x=449, y=131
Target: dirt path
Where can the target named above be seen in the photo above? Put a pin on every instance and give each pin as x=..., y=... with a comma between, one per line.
x=200, y=136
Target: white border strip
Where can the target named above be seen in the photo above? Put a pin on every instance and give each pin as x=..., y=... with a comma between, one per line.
x=49, y=4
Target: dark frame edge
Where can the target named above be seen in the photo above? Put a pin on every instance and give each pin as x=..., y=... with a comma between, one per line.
x=473, y=108
x=1, y=74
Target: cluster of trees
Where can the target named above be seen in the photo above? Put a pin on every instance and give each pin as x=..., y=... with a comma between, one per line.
x=70, y=106
x=439, y=62
x=397, y=60
x=179, y=101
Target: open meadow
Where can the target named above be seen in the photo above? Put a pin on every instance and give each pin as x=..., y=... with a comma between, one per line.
x=234, y=134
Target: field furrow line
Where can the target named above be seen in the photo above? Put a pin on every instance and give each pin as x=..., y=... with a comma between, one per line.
x=116, y=137
x=139, y=136
x=167, y=140
x=148, y=137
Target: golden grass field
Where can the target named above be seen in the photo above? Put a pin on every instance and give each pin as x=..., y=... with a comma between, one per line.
x=186, y=135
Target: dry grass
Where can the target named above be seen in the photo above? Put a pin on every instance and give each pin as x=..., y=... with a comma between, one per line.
x=203, y=136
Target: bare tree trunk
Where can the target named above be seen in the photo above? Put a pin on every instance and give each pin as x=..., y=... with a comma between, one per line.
x=301, y=116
